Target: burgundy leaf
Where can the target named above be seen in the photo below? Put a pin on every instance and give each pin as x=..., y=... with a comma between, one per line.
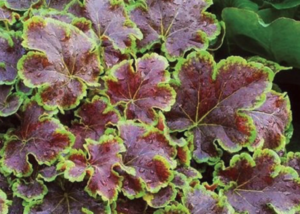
x=94, y=117
x=67, y=64
x=9, y=102
x=141, y=90
x=149, y=153
x=11, y=52
x=162, y=198
x=259, y=184
x=39, y=135
x=272, y=119
x=30, y=191
x=102, y=157
x=64, y=197
x=182, y=25
x=210, y=98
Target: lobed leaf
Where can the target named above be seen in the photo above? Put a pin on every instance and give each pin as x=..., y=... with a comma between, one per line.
x=38, y=135
x=149, y=152
x=102, y=157
x=143, y=90
x=64, y=60
x=4, y=203
x=259, y=184
x=210, y=99
x=181, y=25
x=95, y=116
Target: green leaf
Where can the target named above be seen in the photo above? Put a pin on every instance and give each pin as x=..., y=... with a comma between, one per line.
x=277, y=41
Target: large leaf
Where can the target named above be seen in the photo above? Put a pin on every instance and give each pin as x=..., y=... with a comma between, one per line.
x=64, y=197
x=210, y=98
x=149, y=153
x=11, y=52
x=9, y=102
x=142, y=90
x=277, y=41
x=94, y=117
x=182, y=25
x=259, y=184
x=198, y=200
x=102, y=157
x=272, y=119
x=39, y=135
x=66, y=63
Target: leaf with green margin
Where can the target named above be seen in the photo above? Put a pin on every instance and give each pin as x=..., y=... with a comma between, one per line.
x=57, y=4
x=198, y=200
x=109, y=20
x=181, y=25
x=11, y=52
x=50, y=173
x=126, y=206
x=20, y=5
x=9, y=102
x=149, y=152
x=94, y=116
x=277, y=41
x=293, y=160
x=259, y=184
x=29, y=191
x=4, y=203
x=8, y=15
x=54, y=14
x=65, y=197
x=272, y=119
x=275, y=67
x=210, y=98
x=174, y=209
x=143, y=90
x=39, y=135
x=102, y=157
x=161, y=198
x=65, y=66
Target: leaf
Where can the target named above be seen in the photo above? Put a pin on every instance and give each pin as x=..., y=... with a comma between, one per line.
x=293, y=160
x=143, y=90
x=282, y=4
x=95, y=116
x=11, y=52
x=209, y=101
x=49, y=173
x=22, y=88
x=57, y=4
x=275, y=67
x=272, y=120
x=20, y=5
x=39, y=135
x=181, y=25
x=149, y=152
x=4, y=203
x=109, y=21
x=198, y=200
x=102, y=157
x=30, y=191
x=9, y=102
x=126, y=206
x=259, y=184
x=162, y=198
x=64, y=197
x=276, y=41
x=67, y=62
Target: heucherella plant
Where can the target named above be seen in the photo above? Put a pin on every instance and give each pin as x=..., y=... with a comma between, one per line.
x=134, y=107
